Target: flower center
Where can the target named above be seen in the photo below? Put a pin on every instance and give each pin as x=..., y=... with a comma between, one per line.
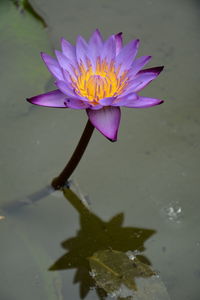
x=98, y=87
x=100, y=83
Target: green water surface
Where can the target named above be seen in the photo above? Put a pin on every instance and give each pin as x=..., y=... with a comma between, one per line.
x=138, y=194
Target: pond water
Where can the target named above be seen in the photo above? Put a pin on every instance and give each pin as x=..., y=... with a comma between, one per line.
x=138, y=196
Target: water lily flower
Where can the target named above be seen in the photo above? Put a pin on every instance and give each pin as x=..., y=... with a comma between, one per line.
x=100, y=77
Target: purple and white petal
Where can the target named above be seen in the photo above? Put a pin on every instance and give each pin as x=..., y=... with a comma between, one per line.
x=124, y=100
x=50, y=99
x=68, y=50
x=67, y=76
x=66, y=89
x=69, y=91
x=142, y=102
x=81, y=51
x=126, y=55
x=109, y=49
x=69, y=70
x=144, y=77
x=65, y=63
x=106, y=120
x=96, y=37
x=137, y=65
x=119, y=42
x=52, y=65
x=95, y=46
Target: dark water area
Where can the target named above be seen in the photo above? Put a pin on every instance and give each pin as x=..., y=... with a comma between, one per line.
x=137, y=198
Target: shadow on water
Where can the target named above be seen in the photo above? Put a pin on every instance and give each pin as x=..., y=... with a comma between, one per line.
x=107, y=257
x=95, y=235
x=14, y=206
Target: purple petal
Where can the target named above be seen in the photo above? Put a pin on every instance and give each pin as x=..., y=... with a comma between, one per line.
x=141, y=102
x=65, y=63
x=52, y=66
x=124, y=100
x=154, y=70
x=95, y=47
x=143, y=78
x=106, y=120
x=107, y=101
x=66, y=89
x=68, y=50
x=81, y=50
x=50, y=99
x=96, y=40
x=67, y=76
x=138, y=64
x=126, y=56
x=109, y=49
x=119, y=42
x=76, y=104
x=62, y=59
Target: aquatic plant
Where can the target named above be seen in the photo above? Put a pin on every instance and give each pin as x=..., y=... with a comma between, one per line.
x=100, y=77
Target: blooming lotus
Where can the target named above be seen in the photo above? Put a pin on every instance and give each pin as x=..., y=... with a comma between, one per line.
x=100, y=77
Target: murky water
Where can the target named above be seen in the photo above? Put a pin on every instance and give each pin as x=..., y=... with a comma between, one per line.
x=151, y=174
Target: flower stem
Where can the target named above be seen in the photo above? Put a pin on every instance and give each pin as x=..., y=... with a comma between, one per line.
x=61, y=180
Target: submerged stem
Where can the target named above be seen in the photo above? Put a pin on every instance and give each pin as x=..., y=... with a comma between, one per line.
x=61, y=180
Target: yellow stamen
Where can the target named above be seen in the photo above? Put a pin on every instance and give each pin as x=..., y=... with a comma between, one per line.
x=99, y=83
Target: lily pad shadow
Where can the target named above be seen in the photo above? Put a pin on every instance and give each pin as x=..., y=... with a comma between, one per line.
x=95, y=235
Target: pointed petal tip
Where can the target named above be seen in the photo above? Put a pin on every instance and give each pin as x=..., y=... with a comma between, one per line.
x=119, y=42
x=81, y=39
x=48, y=59
x=97, y=30
x=98, y=33
x=112, y=140
x=44, y=55
x=155, y=70
x=137, y=41
x=65, y=43
x=50, y=99
x=59, y=56
x=32, y=100
x=29, y=100
x=119, y=34
x=159, y=69
x=161, y=101
x=62, y=39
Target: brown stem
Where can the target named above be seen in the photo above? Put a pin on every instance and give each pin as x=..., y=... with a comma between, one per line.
x=61, y=180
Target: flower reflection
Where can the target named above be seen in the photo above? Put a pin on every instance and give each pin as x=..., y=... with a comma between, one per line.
x=96, y=235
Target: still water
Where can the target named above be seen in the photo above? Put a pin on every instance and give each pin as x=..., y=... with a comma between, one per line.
x=138, y=196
